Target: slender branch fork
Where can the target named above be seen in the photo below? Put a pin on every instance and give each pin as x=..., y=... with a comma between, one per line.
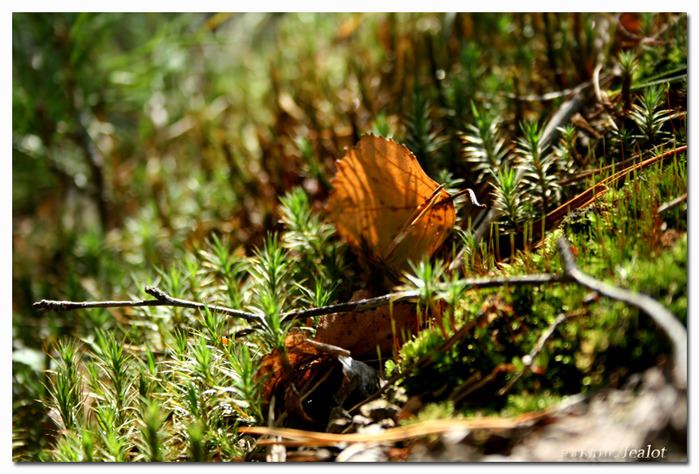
x=662, y=317
x=161, y=299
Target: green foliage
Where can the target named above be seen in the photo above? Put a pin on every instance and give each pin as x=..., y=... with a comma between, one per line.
x=434, y=411
x=114, y=381
x=309, y=239
x=538, y=177
x=65, y=386
x=422, y=138
x=151, y=442
x=509, y=196
x=597, y=344
x=484, y=145
x=524, y=403
x=628, y=63
x=647, y=116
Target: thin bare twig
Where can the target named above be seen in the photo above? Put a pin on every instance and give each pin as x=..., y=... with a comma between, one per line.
x=672, y=204
x=667, y=321
x=371, y=303
x=528, y=360
x=662, y=317
x=162, y=299
x=549, y=95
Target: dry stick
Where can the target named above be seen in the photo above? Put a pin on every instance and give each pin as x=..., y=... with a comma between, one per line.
x=548, y=96
x=162, y=299
x=528, y=360
x=662, y=317
x=672, y=204
x=371, y=303
x=667, y=321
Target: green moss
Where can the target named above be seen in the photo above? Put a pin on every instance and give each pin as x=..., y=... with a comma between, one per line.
x=518, y=404
x=601, y=341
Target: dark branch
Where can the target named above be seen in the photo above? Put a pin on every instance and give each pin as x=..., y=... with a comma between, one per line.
x=667, y=321
x=528, y=359
x=371, y=303
x=675, y=331
x=162, y=299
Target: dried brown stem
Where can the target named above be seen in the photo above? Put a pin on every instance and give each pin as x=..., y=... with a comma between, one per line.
x=296, y=437
x=162, y=299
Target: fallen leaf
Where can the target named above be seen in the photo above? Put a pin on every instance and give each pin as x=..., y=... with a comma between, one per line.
x=310, y=378
x=386, y=207
x=288, y=376
x=361, y=333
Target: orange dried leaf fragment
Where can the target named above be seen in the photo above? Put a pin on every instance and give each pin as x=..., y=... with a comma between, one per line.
x=308, y=378
x=288, y=376
x=361, y=333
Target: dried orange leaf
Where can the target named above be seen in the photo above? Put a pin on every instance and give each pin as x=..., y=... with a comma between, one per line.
x=361, y=333
x=385, y=205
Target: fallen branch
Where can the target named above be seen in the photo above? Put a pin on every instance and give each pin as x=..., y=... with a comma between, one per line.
x=673, y=204
x=667, y=321
x=528, y=360
x=675, y=331
x=162, y=299
x=371, y=303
